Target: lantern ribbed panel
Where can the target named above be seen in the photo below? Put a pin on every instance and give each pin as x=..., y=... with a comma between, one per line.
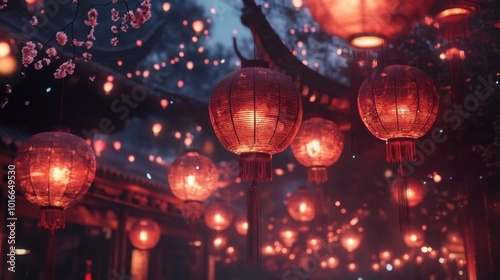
x=349, y=19
x=255, y=110
x=192, y=177
x=55, y=169
x=144, y=234
x=398, y=104
x=301, y=205
x=218, y=216
x=318, y=144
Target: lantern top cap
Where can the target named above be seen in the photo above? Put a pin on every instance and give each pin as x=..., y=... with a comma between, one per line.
x=458, y=11
x=192, y=152
x=255, y=63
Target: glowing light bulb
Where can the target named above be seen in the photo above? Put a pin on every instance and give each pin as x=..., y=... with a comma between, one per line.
x=313, y=148
x=60, y=174
x=143, y=236
x=303, y=207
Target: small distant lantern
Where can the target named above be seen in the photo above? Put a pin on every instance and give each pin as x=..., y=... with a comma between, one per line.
x=414, y=239
x=192, y=179
x=198, y=26
x=350, y=241
x=241, y=225
x=301, y=205
x=144, y=234
x=157, y=127
x=415, y=192
x=289, y=236
x=218, y=216
x=99, y=146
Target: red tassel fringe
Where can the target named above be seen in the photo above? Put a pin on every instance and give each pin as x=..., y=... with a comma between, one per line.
x=319, y=208
x=401, y=149
x=52, y=218
x=317, y=174
x=256, y=167
x=50, y=265
x=454, y=29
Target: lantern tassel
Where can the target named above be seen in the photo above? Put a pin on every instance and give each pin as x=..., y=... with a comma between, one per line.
x=319, y=207
x=50, y=265
x=52, y=218
x=256, y=166
x=454, y=29
x=253, y=237
x=400, y=149
x=317, y=174
x=404, y=205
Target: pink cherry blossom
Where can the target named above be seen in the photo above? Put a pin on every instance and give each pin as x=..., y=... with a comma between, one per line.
x=114, y=41
x=114, y=29
x=46, y=61
x=61, y=38
x=92, y=78
x=38, y=65
x=77, y=43
x=34, y=21
x=87, y=56
x=8, y=88
x=67, y=68
x=28, y=53
x=51, y=52
x=115, y=15
x=124, y=28
x=89, y=44
x=91, y=36
x=91, y=18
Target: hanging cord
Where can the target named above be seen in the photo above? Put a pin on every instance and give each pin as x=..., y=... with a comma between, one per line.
x=319, y=207
x=404, y=206
x=61, y=104
x=50, y=264
x=253, y=217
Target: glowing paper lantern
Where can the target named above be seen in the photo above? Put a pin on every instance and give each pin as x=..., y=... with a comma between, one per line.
x=399, y=104
x=144, y=234
x=54, y=171
x=157, y=127
x=198, y=26
x=241, y=225
x=366, y=24
x=415, y=192
x=255, y=113
x=318, y=144
x=350, y=241
x=192, y=179
x=414, y=239
x=289, y=236
x=218, y=216
x=301, y=205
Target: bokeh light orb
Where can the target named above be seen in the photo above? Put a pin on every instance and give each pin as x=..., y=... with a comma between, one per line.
x=301, y=205
x=144, y=234
x=218, y=216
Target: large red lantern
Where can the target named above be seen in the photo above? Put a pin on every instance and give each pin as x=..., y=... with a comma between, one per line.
x=218, y=216
x=255, y=113
x=54, y=171
x=452, y=18
x=144, y=234
x=399, y=104
x=192, y=178
x=318, y=144
x=366, y=24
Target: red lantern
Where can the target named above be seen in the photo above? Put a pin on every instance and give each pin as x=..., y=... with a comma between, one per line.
x=366, y=24
x=218, y=216
x=55, y=170
x=453, y=16
x=414, y=239
x=255, y=113
x=301, y=205
x=144, y=234
x=398, y=105
x=192, y=178
x=414, y=191
x=350, y=241
x=318, y=144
